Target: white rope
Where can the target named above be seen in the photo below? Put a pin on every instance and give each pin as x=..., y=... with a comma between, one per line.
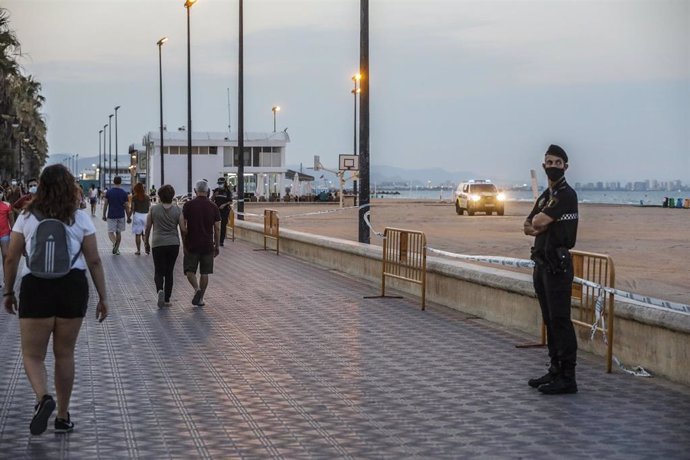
x=368, y=222
x=522, y=263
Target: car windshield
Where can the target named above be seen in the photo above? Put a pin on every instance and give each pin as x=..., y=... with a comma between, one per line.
x=478, y=188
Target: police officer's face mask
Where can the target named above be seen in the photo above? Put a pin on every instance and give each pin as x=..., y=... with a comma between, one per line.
x=554, y=174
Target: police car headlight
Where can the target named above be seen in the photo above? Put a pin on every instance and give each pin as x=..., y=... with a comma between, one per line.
x=475, y=198
x=501, y=197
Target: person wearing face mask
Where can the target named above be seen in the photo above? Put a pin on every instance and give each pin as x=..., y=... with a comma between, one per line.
x=19, y=204
x=553, y=222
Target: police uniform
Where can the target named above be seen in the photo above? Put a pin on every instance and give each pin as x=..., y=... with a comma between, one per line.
x=553, y=279
x=222, y=195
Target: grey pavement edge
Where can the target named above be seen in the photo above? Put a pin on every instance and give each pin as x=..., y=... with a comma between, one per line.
x=287, y=360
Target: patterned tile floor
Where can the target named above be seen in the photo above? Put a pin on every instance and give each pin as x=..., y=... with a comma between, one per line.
x=287, y=360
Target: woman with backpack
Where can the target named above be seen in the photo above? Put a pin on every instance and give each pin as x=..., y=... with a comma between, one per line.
x=59, y=241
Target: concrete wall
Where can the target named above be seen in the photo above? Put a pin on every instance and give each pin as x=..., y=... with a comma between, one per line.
x=655, y=339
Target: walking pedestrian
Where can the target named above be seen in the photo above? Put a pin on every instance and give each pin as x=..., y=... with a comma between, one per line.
x=222, y=197
x=165, y=220
x=553, y=222
x=93, y=199
x=53, y=306
x=6, y=224
x=115, y=207
x=200, y=227
x=138, y=212
x=19, y=203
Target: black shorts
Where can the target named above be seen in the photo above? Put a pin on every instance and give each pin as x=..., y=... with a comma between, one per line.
x=65, y=297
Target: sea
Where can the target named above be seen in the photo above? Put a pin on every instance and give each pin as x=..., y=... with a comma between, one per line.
x=648, y=198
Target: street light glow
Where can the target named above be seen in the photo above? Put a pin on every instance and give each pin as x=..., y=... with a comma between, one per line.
x=189, y=3
x=275, y=108
x=161, y=41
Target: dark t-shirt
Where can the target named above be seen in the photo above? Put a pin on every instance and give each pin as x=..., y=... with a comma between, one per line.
x=222, y=195
x=116, y=203
x=201, y=214
x=141, y=206
x=559, y=203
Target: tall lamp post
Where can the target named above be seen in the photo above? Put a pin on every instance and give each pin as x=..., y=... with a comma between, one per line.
x=275, y=109
x=364, y=236
x=98, y=171
x=355, y=91
x=240, y=115
x=110, y=150
x=116, y=108
x=101, y=182
x=188, y=5
x=160, y=85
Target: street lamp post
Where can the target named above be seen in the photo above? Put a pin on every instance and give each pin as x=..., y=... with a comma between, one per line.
x=160, y=85
x=364, y=235
x=116, y=108
x=110, y=150
x=240, y=115
x=275, y=109
x=76, y=165
x=355, y=91
x=98, y=171
x=101, y=182
x=188, y=5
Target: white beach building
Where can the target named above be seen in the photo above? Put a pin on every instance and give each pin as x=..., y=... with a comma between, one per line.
x=214, y=155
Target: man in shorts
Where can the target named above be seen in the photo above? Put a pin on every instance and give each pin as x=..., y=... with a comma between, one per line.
x=115, y=208
x=201, y=239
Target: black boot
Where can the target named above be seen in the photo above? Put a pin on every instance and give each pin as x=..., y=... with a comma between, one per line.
x=550, y=376
x=563, y=384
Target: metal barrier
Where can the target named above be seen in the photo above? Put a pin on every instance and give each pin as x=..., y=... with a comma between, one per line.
x=404, y=258
x=271, y=228
x=231, y=224
x=599, y=269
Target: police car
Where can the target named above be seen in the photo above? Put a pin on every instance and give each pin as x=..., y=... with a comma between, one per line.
x=478, y=196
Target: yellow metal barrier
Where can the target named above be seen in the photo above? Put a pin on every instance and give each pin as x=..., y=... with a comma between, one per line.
x=231, y=224
x=404, y=258
x=272, y=228
x=599, y=269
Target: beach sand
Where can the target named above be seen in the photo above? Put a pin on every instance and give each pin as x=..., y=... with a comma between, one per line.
x=650, y=246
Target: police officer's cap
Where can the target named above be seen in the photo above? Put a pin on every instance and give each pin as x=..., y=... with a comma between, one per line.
x=557, y=151
x=221, y=181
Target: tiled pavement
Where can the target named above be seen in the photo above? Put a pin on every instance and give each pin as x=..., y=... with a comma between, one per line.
x=287, y=360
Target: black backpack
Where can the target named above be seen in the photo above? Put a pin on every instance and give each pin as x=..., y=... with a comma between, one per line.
x=49, y=257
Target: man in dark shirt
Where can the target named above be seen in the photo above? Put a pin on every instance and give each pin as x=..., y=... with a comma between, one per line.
x=201, y=239
x=115, y=207
x=18, y=205
x=553, y=223
x=222, y=197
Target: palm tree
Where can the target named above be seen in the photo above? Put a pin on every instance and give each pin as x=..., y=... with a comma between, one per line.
x=21, y=125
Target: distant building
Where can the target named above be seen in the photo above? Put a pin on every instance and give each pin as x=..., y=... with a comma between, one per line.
x=214, y=154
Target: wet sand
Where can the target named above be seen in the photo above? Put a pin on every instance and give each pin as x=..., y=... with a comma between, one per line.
x=650, y=246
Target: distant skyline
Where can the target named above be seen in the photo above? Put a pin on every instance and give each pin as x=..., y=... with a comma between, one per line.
x=481, y=86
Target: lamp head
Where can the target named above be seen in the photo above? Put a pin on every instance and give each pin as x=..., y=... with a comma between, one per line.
x=117, y=107
x=275, y=108
x=161, y=41
x=189, y=3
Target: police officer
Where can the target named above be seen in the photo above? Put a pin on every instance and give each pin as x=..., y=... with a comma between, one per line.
x=222, y=197
x=553, y=223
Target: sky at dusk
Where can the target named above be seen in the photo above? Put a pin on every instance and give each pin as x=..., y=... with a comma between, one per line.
x=482, y=86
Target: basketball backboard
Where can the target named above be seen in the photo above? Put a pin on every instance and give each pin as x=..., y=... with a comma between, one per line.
x=348, y=163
